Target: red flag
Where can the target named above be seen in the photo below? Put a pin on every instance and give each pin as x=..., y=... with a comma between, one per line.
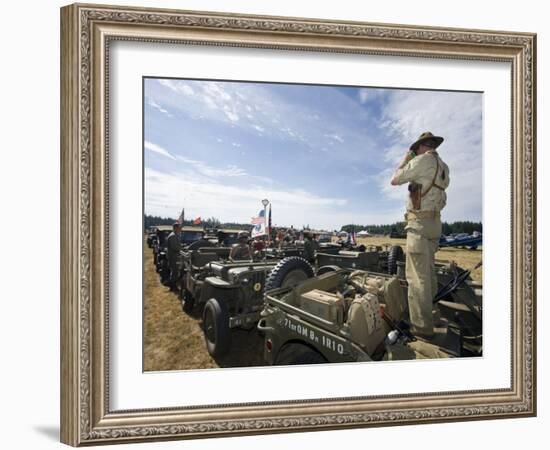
x=197, y=221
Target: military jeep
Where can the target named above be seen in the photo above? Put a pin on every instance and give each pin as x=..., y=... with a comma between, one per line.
x=190, y=235
x=159, y=251
x=230, y=294
x=355, y=315
x=151, y=236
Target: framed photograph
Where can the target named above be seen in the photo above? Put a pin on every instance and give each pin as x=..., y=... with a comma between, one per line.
x=276, y=224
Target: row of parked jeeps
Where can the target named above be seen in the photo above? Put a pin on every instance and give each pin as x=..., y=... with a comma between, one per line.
x=349, y=306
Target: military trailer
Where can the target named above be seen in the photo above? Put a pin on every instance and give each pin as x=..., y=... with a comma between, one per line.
x=355, y=315
x=276, y=253
x=230, y=294
x=375, y=258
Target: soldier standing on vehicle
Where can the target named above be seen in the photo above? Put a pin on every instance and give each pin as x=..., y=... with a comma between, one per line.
x=241, y=250
x=428, y=177
x=310, y=247
x=173, y=246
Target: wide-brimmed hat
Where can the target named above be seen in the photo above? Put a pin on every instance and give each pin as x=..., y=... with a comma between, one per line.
x=426, y=137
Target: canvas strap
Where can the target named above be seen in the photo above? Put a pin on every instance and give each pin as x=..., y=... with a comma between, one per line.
x=435, y=177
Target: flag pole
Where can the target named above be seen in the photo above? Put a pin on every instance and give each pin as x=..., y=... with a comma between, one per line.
x=265, y=202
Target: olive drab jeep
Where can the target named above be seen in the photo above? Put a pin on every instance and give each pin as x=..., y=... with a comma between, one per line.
x=160, y=259
x=350, y=315
x=229, y=294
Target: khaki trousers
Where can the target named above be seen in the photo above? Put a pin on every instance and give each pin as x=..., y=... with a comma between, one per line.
x=422, y=243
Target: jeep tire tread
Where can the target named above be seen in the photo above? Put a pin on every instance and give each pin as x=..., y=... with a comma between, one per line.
x=217, y=334
x=288, y=272
x=395, y=254
x=295, y=354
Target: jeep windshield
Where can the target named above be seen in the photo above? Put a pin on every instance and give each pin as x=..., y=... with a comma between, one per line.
x=191, y=236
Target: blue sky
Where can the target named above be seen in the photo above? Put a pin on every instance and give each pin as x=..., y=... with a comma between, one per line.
x=323, y=155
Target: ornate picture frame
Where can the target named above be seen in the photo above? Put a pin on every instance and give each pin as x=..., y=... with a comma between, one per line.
x=86, y=34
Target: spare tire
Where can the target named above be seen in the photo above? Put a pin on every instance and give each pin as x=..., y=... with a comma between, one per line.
x=289, y=272
x=395, y=254
x=217, y=334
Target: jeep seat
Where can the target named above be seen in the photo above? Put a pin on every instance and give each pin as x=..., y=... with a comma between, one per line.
x=199, y=259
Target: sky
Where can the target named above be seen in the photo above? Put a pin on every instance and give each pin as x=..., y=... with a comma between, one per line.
x=322, y=155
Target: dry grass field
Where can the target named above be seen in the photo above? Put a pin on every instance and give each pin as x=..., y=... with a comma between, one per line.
x=465, y=258
x=173, y=340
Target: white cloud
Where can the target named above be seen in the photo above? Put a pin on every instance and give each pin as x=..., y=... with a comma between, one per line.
x=335, y=137
x=232, y=116
x=369, y=94
x=212, y=172
x=177, y=87
x=159, y=108
x=260, y=109
x=202, y=168
x=455, y=116
x=158, y=149
x=166, y=192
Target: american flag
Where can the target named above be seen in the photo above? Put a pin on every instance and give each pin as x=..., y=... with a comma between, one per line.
x=259, y=219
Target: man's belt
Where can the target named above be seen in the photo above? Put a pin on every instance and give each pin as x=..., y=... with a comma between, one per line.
x=411, y=215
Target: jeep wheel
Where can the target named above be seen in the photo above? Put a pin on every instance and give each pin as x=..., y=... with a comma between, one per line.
x=289, y=272
x=215, y=319
x=294, y=354
x=395, y=254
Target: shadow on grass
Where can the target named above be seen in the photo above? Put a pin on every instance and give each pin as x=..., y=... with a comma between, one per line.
x=246, y=345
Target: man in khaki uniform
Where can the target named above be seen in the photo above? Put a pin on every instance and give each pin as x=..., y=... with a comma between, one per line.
x=428, y=177
x=173, y=247
x=241, y=250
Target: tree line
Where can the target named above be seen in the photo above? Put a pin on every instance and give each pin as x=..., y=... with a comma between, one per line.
x=211, y=222
x=399, y=227
x=465, y=226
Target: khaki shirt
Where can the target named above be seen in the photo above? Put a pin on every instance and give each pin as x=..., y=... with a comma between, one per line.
x=421, y=170
x=240, y=252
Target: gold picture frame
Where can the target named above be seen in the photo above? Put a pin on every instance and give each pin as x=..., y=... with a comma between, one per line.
x=86, y=33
